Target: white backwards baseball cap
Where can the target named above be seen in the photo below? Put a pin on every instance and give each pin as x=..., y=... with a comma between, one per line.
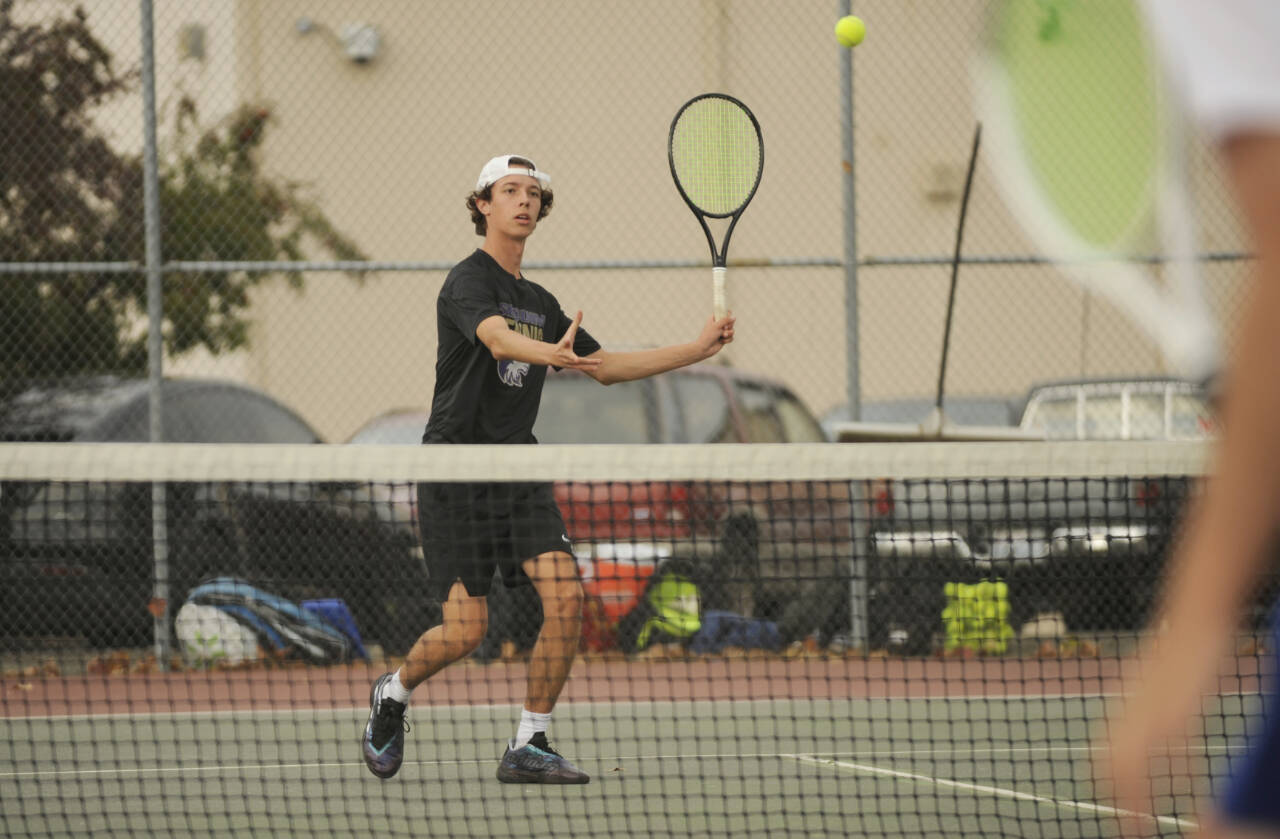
x=500, y=166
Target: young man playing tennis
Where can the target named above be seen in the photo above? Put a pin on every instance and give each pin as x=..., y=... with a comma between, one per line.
x=498, y=333
x=1224, y=53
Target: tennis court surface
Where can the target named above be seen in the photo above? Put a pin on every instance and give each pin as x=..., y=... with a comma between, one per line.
x=921, y=705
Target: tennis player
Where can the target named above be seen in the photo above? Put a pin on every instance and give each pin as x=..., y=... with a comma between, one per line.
x=498, y=334
x=1224, y=55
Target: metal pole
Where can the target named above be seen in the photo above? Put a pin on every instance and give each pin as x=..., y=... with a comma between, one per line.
x=955, y=276
x=155, y=320
x=853, y=387
x=858, y=563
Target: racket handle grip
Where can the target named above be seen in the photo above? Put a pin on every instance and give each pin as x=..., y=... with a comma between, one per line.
x=718, y=304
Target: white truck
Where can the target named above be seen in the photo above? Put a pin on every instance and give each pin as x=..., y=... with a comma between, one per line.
x=1088, y=548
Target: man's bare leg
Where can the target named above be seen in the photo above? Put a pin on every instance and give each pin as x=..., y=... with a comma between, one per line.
x=529, y=758
x=555, y=576
x=461, y=630
x=465, y=621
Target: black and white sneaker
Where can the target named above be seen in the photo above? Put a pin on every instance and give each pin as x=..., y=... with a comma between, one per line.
x=538, y=763
x=383, y=740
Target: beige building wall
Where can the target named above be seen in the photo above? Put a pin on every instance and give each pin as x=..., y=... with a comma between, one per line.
x=588, y=90
x=391, y=147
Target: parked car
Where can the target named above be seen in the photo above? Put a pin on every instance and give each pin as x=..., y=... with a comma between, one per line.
x=1119, y=409
x=989, y=411
x=1089, y=548
x=703, y=403
x=76, y=560
x=786, y=536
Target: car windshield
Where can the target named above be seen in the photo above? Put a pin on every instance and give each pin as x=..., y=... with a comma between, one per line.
x=576, y=409
x=66, y=513
x=395, y=430
x=1123, y=415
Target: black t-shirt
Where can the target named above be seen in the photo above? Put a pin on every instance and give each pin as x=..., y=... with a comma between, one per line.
x=477, y=398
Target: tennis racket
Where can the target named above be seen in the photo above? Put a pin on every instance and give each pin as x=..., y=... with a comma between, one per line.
x=716, y=153
x=1089, y=155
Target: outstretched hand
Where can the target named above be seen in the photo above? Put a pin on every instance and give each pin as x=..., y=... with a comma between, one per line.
x=564, y=356
x=716, y=333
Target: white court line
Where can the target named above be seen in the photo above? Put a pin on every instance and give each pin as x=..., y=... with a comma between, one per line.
x=217, y=769
x=233, y=768
x=983, y=789
x=815, y=757
x=240, y=768
x=1008, y=752
x=305, y=713
x=236, y=768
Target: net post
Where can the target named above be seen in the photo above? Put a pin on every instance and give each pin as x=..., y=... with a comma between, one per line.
x=858, y=635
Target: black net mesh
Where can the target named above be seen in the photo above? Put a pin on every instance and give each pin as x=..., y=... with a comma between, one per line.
x=770, y=641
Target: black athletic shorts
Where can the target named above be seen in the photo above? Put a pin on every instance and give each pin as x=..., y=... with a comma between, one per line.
x=468, y=530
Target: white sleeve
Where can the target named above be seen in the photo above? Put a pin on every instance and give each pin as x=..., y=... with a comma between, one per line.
x=1223, y=56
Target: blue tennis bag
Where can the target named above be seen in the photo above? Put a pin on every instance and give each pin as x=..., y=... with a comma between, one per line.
x=280, y=624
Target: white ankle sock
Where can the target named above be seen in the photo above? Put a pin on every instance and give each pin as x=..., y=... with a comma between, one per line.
x=530, y=724
x=396, y=690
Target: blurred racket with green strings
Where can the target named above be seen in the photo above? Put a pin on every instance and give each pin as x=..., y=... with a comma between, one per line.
x=1088, y=151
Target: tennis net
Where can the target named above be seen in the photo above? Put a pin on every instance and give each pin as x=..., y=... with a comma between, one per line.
x=798, y=640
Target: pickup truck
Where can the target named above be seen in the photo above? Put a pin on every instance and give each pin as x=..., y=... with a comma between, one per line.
x=1089, y=548
x=1118, y=409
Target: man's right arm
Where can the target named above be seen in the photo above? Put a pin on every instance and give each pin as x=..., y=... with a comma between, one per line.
x=506, y=344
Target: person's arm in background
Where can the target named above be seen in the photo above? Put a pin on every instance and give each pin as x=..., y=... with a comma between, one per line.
x=1232, y=524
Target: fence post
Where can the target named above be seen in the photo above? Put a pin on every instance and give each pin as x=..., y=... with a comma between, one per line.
x=858, y=569
x=159, y=605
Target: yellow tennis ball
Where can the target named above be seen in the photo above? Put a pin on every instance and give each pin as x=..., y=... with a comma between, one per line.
x=850, y=31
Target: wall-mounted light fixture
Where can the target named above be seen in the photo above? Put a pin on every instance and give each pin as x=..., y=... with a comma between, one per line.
x=360, y=41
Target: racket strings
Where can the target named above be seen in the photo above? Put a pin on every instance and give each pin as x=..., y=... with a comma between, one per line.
x=716, y=154
x=1087, y=116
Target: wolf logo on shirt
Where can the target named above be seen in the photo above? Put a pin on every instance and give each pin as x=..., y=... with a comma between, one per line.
x=512, y=372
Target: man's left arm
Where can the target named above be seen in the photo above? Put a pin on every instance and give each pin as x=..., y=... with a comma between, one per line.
x=625, y=366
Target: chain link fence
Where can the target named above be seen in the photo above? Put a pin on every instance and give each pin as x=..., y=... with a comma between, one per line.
x=314, y=156
x=260, y=199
